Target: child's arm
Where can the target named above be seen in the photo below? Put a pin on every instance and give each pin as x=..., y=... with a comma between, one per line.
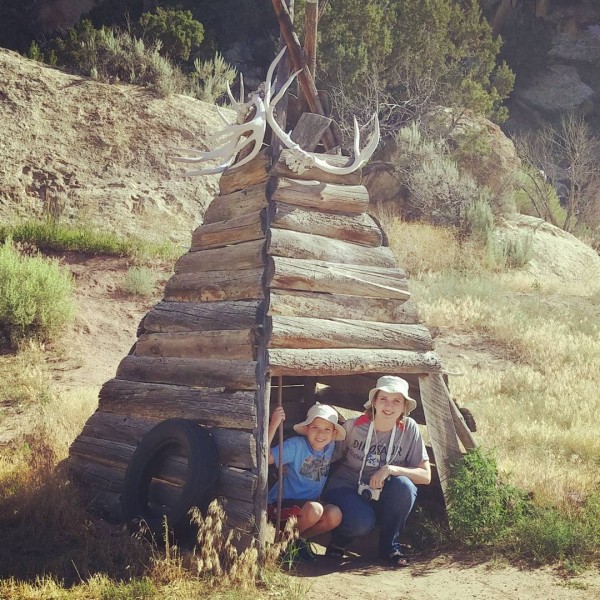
x=277, y=417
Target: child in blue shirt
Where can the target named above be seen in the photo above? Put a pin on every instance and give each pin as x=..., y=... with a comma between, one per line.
x=306, y=461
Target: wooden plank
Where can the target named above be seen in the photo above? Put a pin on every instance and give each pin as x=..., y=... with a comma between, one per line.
x=231, y=409
x=251, y=174
x=323, y=196
x=236, y=204
x=201, y=372
x=233, y=344
x=357, y=228
x=440, y=426
x=462, y=429
x=331, y=306
x=173, y=317
x=346, y=361
x=321, y=276
x=214, y=286
x=280, y=169
x=309, y=130
x=245, y=255
x=306, y=246
x=309, y=332
x=245, y=228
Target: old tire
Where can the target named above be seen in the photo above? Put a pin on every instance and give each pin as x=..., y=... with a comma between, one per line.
x=148, y=496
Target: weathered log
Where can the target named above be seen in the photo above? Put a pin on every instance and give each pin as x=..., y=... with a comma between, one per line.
x=330, y=306
x=358, y=229
x=326, y=197
x=308, y=332
x=201, y=372
x=252, y=173
x=347, y=361
x=309, y=130
x=173, y=317
x=213, y=286
x=280, y=169
x=245, y=228
x=440, y=426
x=239, y=203
x=229, y=409
x=227, y=344
x=246, y=255
x=306, y=246
x=321, y=276
x=462, y=429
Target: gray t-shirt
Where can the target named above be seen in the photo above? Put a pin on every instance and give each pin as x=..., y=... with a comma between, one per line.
x=408, y=451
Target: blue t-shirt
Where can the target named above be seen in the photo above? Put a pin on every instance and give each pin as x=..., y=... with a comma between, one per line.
x=305, y=470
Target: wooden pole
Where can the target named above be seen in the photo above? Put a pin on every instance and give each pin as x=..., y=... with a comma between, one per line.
x=280, y=465
x=310, y=36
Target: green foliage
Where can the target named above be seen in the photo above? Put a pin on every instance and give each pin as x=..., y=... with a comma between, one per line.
x=513, y=253
x=210, y=78
x=35, y=296
x=480, y=221
x=140, y=281
x=177, y=31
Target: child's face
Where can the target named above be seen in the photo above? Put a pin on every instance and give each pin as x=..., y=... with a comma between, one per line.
x=389, y=407
x=320, y=433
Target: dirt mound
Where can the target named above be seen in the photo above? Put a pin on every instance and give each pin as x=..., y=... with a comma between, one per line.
x=77, y=148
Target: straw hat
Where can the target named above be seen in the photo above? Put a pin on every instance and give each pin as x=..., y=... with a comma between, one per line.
x=393, y=385
x=321, y=411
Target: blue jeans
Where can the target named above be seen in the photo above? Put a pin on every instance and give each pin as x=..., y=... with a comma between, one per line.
x=360, y=516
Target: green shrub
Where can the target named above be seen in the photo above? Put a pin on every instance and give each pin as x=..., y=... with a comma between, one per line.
x=140, y=281
x=480, y=221
x=35, y=296
x=514, y=253
x=210, y=78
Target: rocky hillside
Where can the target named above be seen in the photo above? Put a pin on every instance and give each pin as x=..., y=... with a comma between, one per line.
x=99, y=153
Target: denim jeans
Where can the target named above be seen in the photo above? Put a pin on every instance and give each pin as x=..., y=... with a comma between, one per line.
x=360, y=516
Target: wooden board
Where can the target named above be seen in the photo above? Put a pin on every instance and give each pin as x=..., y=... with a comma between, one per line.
x=239, y=203
x=344, y=361
x=280, y=169
x=303, y=332
x=231, y=409
x=331, y=306
x=245, y=255
x=306, y=246
x=356, y=228
x=345, y=199
x=245, y=228
x=252, y=173
x=201, y=372
x=173, y=317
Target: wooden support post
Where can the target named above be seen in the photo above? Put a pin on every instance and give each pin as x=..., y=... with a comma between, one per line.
x=280, y=463
x=310, y=40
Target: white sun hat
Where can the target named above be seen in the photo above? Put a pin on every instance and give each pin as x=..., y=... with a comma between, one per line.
x=393, y=385
x=321, y=411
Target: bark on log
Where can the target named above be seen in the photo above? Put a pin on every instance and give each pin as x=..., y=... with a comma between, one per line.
x=252, y=173
x=326, y=197
x=440, y=426
x=306, y=246
x=173, y=317
x=358, y=229
x=213, y=286
x=233, y=231
x=318, y=332
x=226, y=344
x=349, y=361
x=200, y=372
x=330, y=306
x=320, y=276
x=280, y=169
x=245, y=255
x=230, y=409
x=236, y=204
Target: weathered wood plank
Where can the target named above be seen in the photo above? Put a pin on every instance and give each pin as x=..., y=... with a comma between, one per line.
x=233, y=344
x=309, y=130
x=252, y=173
x=201, y=372
x=308, y=332
x=306, y=246
x=462, y=429
x=245, y=228
x=159, y=401
x=321, y=276
x=331, y=306
x=357, y=228
x=245, y=255
x=350, y=199
x=239, y=203
x=280, y=169
x=214, y=286
x=346, y=361
x=173, y=317
x=440, y=426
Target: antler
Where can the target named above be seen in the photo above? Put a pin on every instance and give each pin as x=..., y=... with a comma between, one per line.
x=301, y=160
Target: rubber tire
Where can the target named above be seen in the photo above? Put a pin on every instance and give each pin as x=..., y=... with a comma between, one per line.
x=469, y=418
x=202, y=473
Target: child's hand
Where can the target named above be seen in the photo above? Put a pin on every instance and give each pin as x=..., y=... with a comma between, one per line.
x=278, y=416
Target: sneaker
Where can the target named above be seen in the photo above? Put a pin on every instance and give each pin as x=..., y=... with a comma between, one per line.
x=333, y=551
x=299, y=550
x=305, y=550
